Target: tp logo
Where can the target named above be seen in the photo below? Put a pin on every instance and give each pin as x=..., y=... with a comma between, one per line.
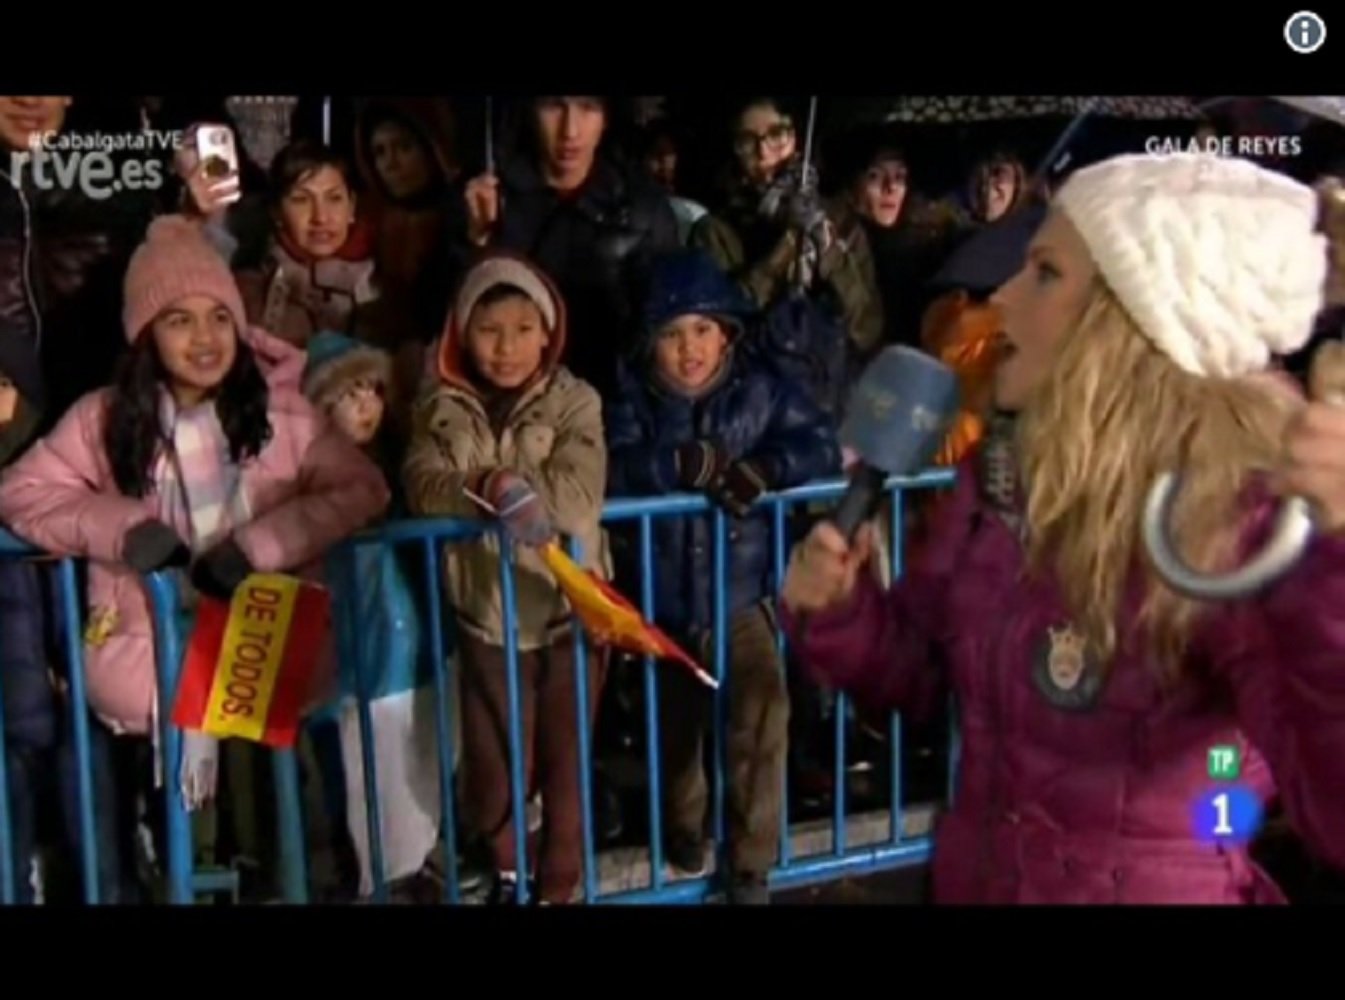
x=1305, y=32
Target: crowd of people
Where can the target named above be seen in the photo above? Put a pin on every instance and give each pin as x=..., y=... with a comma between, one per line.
x=233, y=374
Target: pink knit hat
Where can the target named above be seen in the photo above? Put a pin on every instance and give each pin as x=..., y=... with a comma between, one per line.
x=173, y=263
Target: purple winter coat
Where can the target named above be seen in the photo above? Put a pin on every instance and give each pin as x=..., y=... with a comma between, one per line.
x=1095, y=806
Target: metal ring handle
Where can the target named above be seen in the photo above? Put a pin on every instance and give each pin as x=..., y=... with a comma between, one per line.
x=1289, y=537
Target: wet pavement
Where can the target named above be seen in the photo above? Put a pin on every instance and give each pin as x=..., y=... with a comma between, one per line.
x=904, y=886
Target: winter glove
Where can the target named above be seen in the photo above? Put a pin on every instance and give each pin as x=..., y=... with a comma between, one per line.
x=519, y=508
x=200, y=769
x=791, y=181
x=152, y=545
x=698, y=464
x=221, y=571
x=738, y=487
x=806, y=214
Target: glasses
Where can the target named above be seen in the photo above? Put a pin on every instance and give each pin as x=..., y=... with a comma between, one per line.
x=774, y=140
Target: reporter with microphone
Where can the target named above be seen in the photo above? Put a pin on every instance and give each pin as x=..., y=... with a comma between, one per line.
x=1094, y=699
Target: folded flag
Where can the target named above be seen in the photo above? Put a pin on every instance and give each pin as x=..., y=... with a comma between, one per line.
x=609, y=618
x=249, y=665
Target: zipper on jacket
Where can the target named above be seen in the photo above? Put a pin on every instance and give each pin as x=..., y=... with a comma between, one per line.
x=26, y=261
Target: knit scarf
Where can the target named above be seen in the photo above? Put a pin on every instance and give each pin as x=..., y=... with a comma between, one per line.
x=328, y=290
x=196, y=481
x=999, y=473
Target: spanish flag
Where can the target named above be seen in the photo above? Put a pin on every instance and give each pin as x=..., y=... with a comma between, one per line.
x=609, y=618
x=249, y=666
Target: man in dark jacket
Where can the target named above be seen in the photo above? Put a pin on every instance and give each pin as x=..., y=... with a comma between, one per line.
x=62, y=257
x=589, y=222
x=699, y=415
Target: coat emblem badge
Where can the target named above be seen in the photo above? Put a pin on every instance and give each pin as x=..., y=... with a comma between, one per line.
x=1064, y=671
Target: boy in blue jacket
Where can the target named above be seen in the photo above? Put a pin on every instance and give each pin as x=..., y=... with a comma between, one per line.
x=699, y=412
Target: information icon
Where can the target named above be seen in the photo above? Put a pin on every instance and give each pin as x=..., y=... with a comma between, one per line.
x=1230, y=814
x=1305, y=32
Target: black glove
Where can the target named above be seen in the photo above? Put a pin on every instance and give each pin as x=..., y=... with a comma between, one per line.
x=698, y=464
x=221, y=571
x=152, y=545
x=738, y=487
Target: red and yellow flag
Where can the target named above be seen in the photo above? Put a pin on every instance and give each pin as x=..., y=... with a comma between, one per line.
x=249, y=665
x=609, y=618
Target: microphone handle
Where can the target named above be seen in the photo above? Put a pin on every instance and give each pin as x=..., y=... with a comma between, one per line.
x=861, y=500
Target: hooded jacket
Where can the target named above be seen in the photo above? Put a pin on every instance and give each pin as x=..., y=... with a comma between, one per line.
x=411, y=245
x=552, y=435
x=753, y=413
x=308, y=489
x=1098, y=805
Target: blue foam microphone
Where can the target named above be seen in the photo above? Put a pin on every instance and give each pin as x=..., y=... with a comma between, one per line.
x=898, y=415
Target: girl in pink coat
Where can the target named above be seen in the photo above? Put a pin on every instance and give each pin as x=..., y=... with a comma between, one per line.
x=1094, y=699
x=203, y=454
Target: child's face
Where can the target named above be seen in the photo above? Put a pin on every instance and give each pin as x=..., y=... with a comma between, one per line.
x=318, y=211
x=359, y=411
x=197, y=345
x=690, y=350
x=507, y=341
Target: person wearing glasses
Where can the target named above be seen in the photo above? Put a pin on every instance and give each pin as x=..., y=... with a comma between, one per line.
x=771, y=227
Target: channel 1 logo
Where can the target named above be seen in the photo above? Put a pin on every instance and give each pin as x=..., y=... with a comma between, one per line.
x=1305, y=32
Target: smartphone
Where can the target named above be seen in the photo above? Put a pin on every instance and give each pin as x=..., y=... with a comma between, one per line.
x=217, y=149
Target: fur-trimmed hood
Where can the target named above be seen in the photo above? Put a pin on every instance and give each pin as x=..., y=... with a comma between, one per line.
x=335, y=361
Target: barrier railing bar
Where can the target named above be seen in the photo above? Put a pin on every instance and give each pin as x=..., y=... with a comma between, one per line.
x=628, y=509
x=802, y=873
x=168, y=662
x=443, y=718
x=898, y=536
x=778, y=529
x=8, y=862
x=518, y=793
x=354, y=648
x=289, y=817
x=722, y=589
x=652, y=749
x=582, y=718
x=79, y=709
x=838, y=795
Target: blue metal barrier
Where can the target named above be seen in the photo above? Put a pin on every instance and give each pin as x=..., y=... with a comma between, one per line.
x=840, y=862
x=184, y=883
x=11, y=877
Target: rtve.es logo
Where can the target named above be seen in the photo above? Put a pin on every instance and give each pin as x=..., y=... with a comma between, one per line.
x=85, y=161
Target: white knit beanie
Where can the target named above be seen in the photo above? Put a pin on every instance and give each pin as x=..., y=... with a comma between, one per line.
x=504, y=270
x=1218, y=260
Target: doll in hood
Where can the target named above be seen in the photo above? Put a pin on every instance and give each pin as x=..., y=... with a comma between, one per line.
x=353, y=385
